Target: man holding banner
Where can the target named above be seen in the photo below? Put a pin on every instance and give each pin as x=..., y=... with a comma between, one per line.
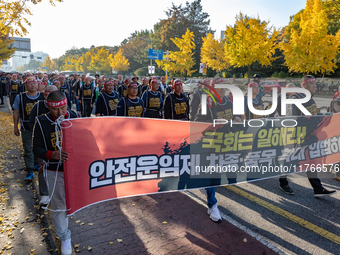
x=217, y=111
x=47, y=146
x=309, y=83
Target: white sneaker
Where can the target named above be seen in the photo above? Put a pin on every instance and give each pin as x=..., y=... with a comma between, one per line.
x=66, y=248
x=44, y=200
x=214, y=213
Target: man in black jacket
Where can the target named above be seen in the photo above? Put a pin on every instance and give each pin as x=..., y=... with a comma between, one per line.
x=176, y=105
x=13, y=89
x=46, y=146
x=309, y=83
x=106, y=104
x=22, y=107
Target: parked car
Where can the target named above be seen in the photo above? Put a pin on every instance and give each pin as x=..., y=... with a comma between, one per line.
x=269, y=85
x=190, y=85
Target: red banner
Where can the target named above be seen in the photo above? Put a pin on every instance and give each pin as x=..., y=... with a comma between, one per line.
x=114, y=157
x=93, y=139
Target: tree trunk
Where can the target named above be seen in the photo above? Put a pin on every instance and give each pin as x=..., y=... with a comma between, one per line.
x=249, y=74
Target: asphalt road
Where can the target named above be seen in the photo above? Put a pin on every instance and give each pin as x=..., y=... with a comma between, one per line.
x=297, y=224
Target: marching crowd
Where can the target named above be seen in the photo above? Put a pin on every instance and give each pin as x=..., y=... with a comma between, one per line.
x=38, y=101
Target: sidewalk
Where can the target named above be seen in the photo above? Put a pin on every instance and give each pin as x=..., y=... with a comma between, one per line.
x=23, y=228
x=168, y=223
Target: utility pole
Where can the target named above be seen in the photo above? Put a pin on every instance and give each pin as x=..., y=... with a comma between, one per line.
x=166, y=70
x=151, y=48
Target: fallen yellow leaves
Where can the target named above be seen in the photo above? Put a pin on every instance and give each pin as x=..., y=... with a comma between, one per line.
x=77, y=221
x=90, y=224
x=76, y=246
x=8, y=141
x=164, y=222
x=8, y=245
x=89, y=248
x=119, y=240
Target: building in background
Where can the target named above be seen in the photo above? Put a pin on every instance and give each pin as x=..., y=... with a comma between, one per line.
x=222, y=34
x=22, y=55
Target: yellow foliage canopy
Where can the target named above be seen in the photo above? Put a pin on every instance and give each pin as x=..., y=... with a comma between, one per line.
x=212, y=53
x=250, y=40
x=119, y=62
x=100, y=61
x=69, y=64
x=13, y=22
x=180, y=61
x=12, y=16
x=311, y=49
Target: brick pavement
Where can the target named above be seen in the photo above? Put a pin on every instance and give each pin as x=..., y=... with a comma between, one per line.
x=169, y=223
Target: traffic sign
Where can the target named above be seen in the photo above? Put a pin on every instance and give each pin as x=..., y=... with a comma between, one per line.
x=204, y=71
x=155, y=54
x=151, y=69
x=201, y=68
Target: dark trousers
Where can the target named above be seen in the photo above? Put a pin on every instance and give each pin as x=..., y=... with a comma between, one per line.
x=11, y=100
x=312, y=177
x=43, y=190
x=87, y=109
x=2, y=92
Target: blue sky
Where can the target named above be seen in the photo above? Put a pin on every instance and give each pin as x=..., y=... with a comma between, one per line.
x=82, y=23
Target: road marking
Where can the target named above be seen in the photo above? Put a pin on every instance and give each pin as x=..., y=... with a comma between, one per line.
x=239, y=225
x=330, y=236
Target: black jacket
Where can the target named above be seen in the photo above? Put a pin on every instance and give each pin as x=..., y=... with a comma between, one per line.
x=44, y=139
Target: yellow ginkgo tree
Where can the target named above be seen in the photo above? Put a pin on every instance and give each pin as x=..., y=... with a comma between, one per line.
x=180, y=61
x=84, y=61
x=13, y=17
x=69, y=64
x=250, y=40
x=100, y=62
x=5, y=51
x=311, y=49
x=212, y=53
x=119, y=62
